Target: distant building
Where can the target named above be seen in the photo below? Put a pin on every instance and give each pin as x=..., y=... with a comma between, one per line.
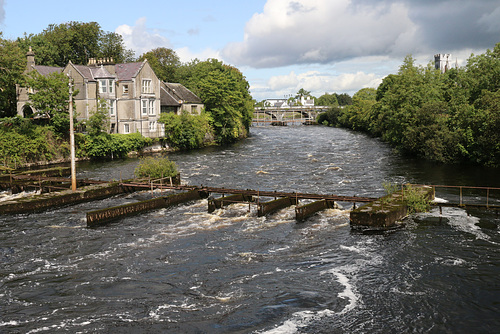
x=133, y=92
x=285, y=103
x=442, y=62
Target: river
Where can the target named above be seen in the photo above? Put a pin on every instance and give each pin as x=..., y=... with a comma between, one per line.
x=183, y=270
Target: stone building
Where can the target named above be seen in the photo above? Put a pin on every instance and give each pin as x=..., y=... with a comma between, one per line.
x=132, y=91
x=178, y=99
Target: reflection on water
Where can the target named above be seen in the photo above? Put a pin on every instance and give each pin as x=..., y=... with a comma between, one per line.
x=183, y=270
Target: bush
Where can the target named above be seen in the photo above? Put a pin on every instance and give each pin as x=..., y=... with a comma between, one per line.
x=113, y=146
x=156, y=168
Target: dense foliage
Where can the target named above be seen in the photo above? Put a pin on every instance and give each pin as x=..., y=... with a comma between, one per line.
x=164, y=62
x=22, y=143
x=75, y=42
x=186, y=131
x=443, y=117
x=225, y=93
x=155, y=168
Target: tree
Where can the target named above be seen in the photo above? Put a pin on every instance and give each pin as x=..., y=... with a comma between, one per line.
x=111, y=46
x=75, y=41
x=49, y=98
x=225, y=93
x=344, y=99
x=98, y=122
x=12, y=64
x=327, y=100
x=164, y=62
x=302, y=93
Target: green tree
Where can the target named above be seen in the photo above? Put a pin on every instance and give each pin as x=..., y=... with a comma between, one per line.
x=327, y=100
x=12, y=64
x=76, y=42
x=185, y=131
x=111, y=45
x=50, y=98
x=343, y=99
x=98, y=122
x=302, y=93
x=164, y=62
x=225, y=92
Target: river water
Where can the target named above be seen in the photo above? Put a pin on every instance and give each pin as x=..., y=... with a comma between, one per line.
x=183, y=270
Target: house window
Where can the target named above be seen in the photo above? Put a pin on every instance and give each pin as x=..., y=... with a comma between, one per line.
x=144, y=107
x=113, y=126
x=112, y=107
x=125, y=89
x=126, y=128
x=194, y=109
x=152, y=126
x=103, y=86
x=151, y=107
x=111, y=85
x=146, y=86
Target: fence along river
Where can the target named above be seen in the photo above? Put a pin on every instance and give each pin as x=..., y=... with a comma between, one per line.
x=183, y=269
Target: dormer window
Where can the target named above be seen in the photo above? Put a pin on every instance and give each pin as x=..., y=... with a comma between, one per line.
x=103, y=86
x=106, y=86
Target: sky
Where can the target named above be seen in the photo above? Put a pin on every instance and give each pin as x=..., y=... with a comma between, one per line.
x=281, y=46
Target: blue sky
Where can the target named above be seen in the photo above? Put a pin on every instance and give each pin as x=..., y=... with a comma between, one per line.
x=283, y=45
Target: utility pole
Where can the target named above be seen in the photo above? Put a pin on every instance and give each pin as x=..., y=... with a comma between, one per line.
x=71, y=134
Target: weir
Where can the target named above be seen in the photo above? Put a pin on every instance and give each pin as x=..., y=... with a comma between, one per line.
x=99, y=217
x=379, y=213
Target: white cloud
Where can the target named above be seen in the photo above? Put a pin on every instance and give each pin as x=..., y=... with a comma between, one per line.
x=316, y=82
x=186, y=55
x=321, y=31
x=141, y=39
x=295, y=32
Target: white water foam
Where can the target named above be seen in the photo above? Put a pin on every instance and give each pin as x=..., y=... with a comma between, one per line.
x=342, y=275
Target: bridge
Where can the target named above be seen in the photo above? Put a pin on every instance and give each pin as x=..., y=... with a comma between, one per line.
x=293, y=115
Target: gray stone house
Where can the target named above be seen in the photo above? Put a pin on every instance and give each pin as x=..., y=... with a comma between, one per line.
x=132, y=91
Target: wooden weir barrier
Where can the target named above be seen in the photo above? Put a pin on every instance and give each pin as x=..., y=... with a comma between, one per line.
x=99, y=217
x=282, y=200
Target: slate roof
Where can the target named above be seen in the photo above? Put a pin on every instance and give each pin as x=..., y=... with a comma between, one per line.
x=166, y=98
x=85, y=71
x=127, y=71
x=46, y=70
x=100, y=72
x=181, y=93
x=124, y=72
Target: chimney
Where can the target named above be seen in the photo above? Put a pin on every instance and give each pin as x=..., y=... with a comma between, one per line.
x=30, y=56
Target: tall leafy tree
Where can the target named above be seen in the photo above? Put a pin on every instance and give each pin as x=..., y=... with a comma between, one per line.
x=225, y=93
x=49, y=97
x=111, y=45
x=327, y=100
x=12, y=64
x=164, y=62
x=76, y=42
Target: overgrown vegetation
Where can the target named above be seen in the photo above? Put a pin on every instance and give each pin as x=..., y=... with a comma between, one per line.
x=186, y=131
x=22, y=142
x=155, y=168
x=444, y=117
x=414, y=197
